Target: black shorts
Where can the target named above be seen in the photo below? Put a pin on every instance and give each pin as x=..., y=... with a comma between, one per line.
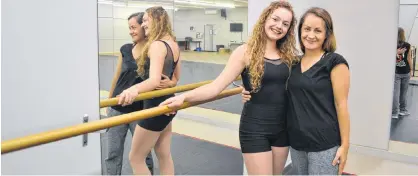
x=157, y=123
x=262, y=127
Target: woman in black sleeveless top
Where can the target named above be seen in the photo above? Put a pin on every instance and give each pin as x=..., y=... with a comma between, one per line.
x=159, y=57
x=264, y=66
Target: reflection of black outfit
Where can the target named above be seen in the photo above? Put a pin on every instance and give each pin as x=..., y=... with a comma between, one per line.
x=116, y=135
x=127, y=78
x=263, y=118
x=159, y=123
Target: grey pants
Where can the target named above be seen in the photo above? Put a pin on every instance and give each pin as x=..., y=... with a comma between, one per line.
x=115, y=144
x=314, y=163
x=399, y=93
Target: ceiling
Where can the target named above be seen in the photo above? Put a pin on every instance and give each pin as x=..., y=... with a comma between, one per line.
x=181, y=4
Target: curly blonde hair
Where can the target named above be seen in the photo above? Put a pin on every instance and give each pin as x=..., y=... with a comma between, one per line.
x=257, y=44
x=159, y=28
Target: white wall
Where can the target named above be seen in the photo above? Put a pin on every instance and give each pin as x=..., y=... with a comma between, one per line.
x=364, y=40
x=408, y=20
x=197, y=18
x=49, y=81
x=407, y=15
x=413, y=38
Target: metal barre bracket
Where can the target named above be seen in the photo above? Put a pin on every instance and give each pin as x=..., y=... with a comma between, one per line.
x=85, y=136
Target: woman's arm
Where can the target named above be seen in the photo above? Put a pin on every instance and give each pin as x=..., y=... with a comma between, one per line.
x=166, y=82
x=116, y=75
x=232, y=70
x=340, y=78
x=410, y=61
x=156, y=53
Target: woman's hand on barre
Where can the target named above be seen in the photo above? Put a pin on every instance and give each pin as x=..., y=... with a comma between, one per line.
x=173, y=103
x=128, y=96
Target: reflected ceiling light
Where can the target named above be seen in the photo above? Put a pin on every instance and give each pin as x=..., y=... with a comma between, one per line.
x=203, y=3
x=243, y=1
x=142, y=6
x=105, y=2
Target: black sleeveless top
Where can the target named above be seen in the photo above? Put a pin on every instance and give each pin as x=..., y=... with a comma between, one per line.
x=127, y=78
x=273, y=83
x=169, y=64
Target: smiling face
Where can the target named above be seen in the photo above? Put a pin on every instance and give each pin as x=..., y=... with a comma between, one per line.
x=313, y=32
x=135, y=30
x=316, y=31
x=146, y=23
x=278, y=24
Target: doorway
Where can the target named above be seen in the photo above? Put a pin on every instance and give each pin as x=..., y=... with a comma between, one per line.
x=208, y=39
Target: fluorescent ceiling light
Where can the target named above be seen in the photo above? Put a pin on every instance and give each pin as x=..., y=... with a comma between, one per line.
x=203, y=3
x=243, y=1
x=143, y=6
x=105, y=2
x=194, y=4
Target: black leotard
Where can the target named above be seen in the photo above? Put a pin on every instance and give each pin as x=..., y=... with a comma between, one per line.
x=158, y=123
x=263, y=118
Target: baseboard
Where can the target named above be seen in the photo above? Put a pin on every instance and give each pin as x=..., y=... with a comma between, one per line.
x=384, y=154
x=205, y=117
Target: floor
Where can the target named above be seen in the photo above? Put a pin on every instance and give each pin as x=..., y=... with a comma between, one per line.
x=404, y=128
x=368, y=165
x=218, y=122
x=403, y=148
x=191, y=156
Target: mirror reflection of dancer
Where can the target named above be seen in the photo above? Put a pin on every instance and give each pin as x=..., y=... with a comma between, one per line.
x=159, y=57
x=124, y=77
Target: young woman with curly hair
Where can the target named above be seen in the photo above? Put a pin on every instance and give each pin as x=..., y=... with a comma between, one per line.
x=264, y=64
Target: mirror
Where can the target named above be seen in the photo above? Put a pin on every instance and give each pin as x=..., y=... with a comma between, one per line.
x=114, y=37
x=114, y=32
x=207, y=32
x=403, y=137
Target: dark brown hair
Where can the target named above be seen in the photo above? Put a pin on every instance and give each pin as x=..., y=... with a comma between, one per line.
x=401, y=35
x=330, y=43
x=138, y=16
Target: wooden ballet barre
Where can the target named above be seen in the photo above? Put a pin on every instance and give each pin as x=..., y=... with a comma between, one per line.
x=72, y=131
x=158, y=93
